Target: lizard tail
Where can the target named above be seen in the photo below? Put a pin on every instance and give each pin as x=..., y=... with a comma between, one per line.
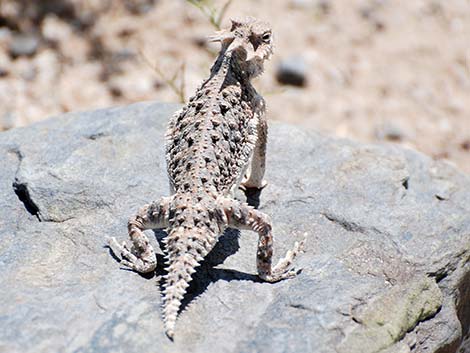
x=186, y=248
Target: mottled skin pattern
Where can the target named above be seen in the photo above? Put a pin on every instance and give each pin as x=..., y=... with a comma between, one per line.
x=215, y=144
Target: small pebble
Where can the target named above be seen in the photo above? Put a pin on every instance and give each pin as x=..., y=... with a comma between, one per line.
x=23, y=45
x=323, y=6
x=7, y=121
x=390, y=132
x=465, y=145
x=139, y=7
x=200, y=41
x=292, y=71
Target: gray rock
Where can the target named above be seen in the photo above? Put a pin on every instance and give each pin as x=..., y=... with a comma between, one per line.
x=23, y=45
x=386, y=268
x=292, y=71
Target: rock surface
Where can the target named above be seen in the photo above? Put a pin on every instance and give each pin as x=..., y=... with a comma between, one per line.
x=386, y=268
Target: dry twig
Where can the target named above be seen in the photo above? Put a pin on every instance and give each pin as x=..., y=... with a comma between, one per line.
x=208, y=9
x=176, y=82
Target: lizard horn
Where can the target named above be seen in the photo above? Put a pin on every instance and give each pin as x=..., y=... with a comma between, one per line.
x=221, y=36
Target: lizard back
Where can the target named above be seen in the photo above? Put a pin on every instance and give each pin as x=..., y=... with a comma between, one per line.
x=210, y=140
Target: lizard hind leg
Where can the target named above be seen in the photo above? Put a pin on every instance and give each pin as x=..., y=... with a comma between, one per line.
x=140, y=256
x=242, y=216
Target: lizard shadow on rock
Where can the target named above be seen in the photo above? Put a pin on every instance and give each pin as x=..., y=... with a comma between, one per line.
x=249, y=195
x=206, y=273
x=226, y=245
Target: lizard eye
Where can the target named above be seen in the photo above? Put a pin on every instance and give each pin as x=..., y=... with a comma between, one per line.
x=266, y=37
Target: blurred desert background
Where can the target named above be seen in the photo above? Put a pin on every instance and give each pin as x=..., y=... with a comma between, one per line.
x=370, y=70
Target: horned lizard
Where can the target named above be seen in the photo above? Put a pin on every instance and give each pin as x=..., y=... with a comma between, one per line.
x=214, y=144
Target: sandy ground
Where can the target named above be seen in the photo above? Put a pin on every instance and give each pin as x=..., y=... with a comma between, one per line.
x=375, y=70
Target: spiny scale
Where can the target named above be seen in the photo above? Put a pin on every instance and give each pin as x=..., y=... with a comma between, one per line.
x=213, y=142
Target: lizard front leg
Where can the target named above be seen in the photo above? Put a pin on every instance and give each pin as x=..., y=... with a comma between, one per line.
x=141, y=255
x=242, y=216
x=257, y=165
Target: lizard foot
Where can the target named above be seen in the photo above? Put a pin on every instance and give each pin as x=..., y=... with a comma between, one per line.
x=143, y=261
x=281, y=271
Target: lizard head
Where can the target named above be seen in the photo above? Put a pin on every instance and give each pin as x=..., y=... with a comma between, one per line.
x=250, y=40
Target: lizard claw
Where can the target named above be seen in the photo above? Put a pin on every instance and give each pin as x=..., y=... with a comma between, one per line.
x=281, y=270
x=142, y=262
